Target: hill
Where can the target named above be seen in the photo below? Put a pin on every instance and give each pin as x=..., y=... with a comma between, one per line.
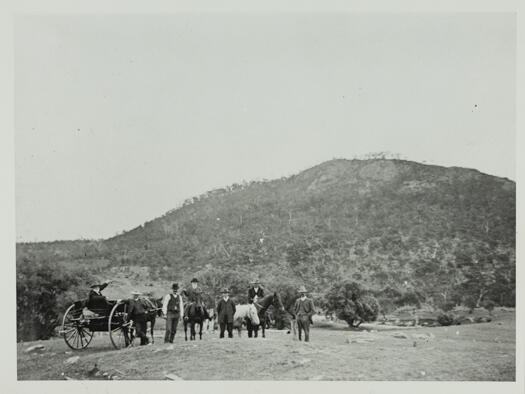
x=399, y=228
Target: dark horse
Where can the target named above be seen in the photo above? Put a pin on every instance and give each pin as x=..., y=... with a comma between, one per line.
x=262, y=307
x=153, y=310
x=196, y=315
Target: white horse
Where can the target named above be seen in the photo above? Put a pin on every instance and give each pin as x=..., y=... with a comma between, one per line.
x=211, y=320
x=243, y=312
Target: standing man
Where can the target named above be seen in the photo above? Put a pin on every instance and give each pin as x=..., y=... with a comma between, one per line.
x=304, y=310
x=193, y=296
x=137, y=313
x=225, y=312
x=172, y=306
x=255, y=291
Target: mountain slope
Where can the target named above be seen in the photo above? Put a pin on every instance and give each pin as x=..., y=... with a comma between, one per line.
x=392, y=225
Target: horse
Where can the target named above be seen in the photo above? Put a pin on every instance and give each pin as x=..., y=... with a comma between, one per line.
x=262, y=307
x=211, y=321
x=196, y=314
x=153, y=310
x=247, y=312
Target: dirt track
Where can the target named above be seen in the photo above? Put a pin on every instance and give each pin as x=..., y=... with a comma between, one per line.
x=484, y=351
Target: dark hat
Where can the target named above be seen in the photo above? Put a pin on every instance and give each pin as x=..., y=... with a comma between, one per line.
x=225, y=291
x=194, y=280
x=175, y=286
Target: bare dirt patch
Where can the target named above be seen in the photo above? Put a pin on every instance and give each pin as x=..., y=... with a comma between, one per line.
x=484, y=351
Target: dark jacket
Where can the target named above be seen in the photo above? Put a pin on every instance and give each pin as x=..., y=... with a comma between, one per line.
x=97, y=301
x=225, y=311
x=193, y=295
x=252, y=293
x=305, y=307
x=136, y=309
x=174, y=303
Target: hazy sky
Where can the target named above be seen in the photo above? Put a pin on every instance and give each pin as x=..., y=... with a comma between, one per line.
x=121, y=118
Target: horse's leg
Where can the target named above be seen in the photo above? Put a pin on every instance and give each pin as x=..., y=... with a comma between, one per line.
x=262, y=323
x=239, y=327
x=249, y=328
x=152, y=325
x=192, y=336
x=200, y=330
x=185, y=330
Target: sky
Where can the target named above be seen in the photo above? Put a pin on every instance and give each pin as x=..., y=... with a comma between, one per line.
x=120, y=118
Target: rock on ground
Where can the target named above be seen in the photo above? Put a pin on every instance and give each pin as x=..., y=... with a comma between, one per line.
x=72, y=360
x=35, y=348
x=400, y=335
x=424, y=337
x=172, y=376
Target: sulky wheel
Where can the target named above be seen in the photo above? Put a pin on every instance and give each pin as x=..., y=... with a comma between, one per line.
x=120, y=329
x=74, y=330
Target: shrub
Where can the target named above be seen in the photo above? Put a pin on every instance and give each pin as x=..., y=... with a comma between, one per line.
x=488, y=305
x=351, y=303
x=43, y=292
x=409, y=298
x=386, y=306
x=445, y=319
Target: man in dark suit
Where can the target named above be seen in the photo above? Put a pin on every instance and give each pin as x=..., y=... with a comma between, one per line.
x=255, y=291
x=137, y=313
x=225, y=312
x=304, y=310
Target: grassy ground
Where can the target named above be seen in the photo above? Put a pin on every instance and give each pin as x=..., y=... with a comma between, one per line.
x=484, y=351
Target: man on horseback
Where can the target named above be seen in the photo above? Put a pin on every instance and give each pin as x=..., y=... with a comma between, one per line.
x=172, y=306
x=193, y=296
x=255, y=292
x=304, y=310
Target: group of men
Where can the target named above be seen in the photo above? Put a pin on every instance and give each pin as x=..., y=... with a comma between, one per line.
x=176, y=302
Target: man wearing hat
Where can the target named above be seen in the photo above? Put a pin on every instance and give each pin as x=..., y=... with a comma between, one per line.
x=172, y=306
x=255, y=291
x=193, y=296
x=225, y=312
x=96, y=300
x=304, y=310
x=137, y=313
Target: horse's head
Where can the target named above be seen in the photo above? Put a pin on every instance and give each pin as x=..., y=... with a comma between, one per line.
x=253, y=315
x=210, y=313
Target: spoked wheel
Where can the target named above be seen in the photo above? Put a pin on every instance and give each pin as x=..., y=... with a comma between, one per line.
x=120, y=329
x=74, y=329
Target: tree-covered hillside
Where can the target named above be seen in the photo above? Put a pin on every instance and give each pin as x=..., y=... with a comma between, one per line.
x=396, y=227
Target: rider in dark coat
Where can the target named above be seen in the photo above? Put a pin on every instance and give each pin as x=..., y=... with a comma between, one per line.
x=255, y=291
x=193, y=295
x=225, y=313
